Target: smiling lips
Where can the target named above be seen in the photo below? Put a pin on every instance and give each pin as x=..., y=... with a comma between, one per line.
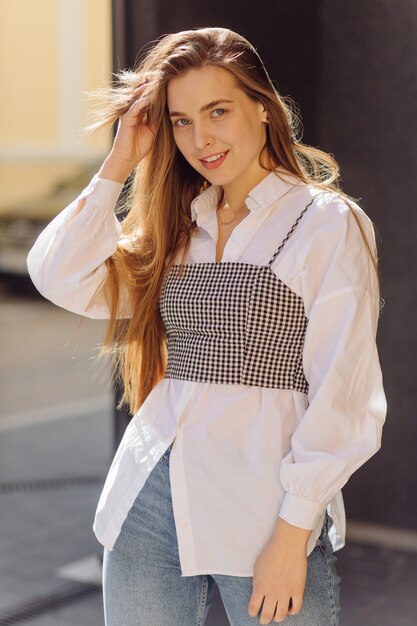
x=214, y=160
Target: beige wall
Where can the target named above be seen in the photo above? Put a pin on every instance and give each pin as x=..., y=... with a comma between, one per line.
x=51, y=52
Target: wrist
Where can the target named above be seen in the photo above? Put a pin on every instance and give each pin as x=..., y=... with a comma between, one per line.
x=290, y=534
x=116, y=169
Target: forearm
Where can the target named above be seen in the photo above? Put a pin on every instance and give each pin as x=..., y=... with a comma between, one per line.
x=67, y=261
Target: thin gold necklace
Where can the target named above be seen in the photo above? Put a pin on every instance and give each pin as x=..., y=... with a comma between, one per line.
x=244, y=206
x=235, y=215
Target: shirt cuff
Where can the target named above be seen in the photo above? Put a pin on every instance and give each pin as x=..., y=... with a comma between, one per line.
x=106, y=191
x=301, y=512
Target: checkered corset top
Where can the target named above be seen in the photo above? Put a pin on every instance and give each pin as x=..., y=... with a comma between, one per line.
x=234, y=323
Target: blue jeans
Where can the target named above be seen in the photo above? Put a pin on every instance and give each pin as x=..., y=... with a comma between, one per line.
x=142, y=583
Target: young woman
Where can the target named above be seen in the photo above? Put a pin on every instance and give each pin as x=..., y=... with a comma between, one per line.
x=242, y=291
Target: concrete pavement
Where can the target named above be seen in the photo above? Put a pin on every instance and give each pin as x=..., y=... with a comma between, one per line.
x=56, y=444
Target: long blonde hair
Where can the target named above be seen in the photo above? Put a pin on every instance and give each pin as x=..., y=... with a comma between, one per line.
x=158, y=221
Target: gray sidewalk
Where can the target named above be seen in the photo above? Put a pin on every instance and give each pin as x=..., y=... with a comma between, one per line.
x=56, y=446
x=51, y=475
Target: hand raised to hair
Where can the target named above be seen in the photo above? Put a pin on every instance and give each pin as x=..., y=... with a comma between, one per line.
x=134, y=138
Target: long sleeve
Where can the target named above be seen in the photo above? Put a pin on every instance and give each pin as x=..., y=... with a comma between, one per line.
x=342, y=425
x=67, y=261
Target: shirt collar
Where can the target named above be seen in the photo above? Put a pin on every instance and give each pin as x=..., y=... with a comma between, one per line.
x=267, y=191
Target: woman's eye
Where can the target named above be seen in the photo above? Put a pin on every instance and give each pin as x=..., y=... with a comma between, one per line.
x=180, y=120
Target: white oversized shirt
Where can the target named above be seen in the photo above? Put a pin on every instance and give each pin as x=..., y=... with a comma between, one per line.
x=243, y=455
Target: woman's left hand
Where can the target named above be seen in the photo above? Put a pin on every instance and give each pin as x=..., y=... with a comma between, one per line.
x=279, y=575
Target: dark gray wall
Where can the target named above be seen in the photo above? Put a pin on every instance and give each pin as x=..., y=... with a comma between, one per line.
x=367, y=94
x=351, y=68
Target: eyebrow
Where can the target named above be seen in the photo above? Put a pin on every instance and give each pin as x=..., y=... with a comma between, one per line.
x=206, y=107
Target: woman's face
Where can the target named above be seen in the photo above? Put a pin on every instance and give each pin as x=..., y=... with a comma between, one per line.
x=210, y=115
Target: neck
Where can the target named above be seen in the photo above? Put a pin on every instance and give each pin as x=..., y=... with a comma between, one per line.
x=234, y=194
x=223, y=204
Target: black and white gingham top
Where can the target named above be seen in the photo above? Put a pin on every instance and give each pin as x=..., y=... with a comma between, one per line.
x=234, y=323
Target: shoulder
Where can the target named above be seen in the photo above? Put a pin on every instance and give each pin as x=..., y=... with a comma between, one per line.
x=332, y=208
x=336, y=240
x=337, y=220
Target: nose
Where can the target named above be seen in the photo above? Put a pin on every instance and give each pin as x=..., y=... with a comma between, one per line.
x=202, y=135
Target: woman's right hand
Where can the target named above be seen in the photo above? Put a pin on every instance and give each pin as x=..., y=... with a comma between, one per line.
x=134, y=139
